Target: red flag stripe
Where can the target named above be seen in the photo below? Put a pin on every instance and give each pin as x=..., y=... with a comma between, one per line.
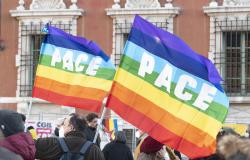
x=157, y=131
x=81, y=103
x=164, y=118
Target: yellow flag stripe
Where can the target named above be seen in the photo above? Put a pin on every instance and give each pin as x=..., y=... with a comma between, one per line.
x=164, y=101
x=73, y=79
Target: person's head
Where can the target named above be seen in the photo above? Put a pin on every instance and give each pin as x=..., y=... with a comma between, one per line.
x=232, y=147
x=58, y=126
x=73, y=123
x=226, y=131
x=10, y=123
x=150, y=145
x=92, y=120
x=60, y=122
x=30, y=128
x=120, y=137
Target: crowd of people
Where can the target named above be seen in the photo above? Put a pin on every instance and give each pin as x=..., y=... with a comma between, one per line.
x=74, y=135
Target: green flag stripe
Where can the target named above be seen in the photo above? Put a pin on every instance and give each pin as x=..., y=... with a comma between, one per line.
x=103, y=73
x=216, y=110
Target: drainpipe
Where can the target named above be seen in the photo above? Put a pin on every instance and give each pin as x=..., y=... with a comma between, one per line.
x=2, y=45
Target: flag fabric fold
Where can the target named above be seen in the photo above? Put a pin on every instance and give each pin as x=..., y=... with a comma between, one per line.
x=177, y=49
x=72, y=71
x=169, y=91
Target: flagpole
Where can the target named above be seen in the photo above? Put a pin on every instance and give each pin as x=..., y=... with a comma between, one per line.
x=105, y=134
x=29, y=110
x=100, y=123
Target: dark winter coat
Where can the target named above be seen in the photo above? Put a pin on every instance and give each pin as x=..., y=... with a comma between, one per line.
x=90, y=135
x=117, y=150
x=21, y=144
x=50, y=149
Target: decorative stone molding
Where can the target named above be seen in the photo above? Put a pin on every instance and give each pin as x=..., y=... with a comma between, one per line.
x=152, y=14
x=47, y=4
x=37, y=16
x=226, y=11
x=236, y=3
x=155, y=12
x=228, y=8
x=21, y=5
x=40, y=12
x=73, y=6
x=213, y=3
x=142, y=4
x=44, y=11
x=168, y=4
x=116, y=5
x=47, y=11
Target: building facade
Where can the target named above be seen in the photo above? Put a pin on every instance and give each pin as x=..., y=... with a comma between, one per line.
x=217, y=29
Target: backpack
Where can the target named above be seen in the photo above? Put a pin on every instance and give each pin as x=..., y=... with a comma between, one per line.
x=67, y=155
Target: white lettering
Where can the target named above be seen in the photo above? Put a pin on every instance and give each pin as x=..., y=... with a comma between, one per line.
x=165, y=77
x=147, y=65
x=79, y=59
x=183, y=81
x=68, y=61
x=56, y=58
x=206, y=96
x=93, y=66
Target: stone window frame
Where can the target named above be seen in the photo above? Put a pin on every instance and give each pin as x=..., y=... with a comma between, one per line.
x=228, y=10
x=47, y=11
x=152, y=11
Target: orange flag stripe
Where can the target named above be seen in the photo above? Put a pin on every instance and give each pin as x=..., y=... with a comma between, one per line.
x=70, y=90
x=162, y=117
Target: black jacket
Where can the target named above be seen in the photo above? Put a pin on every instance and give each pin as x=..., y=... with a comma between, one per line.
x=50, y=149
x=90, y=135
x=117, y=150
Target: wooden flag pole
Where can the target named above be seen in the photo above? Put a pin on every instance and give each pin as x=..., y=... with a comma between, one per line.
x=99, y=124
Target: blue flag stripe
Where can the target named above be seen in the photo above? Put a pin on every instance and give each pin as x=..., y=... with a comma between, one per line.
x=174, y=57
x=67, y=43
x=49, y=49
x=132, y=48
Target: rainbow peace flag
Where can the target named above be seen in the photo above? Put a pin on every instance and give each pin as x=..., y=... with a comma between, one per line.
x=72, y=71
x=167, y=90
x=111, y=126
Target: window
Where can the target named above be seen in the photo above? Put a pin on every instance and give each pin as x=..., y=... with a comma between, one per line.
x=121, y=36
x=31, y=39
x=233, y=56
x=237, y=62
x=130, y=137
x=36, y=41
x=29, y=63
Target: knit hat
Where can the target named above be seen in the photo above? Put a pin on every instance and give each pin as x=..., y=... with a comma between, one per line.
x=150, y=145
x=11, y=122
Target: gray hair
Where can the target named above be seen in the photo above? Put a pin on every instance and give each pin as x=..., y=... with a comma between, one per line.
x=120, y=137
